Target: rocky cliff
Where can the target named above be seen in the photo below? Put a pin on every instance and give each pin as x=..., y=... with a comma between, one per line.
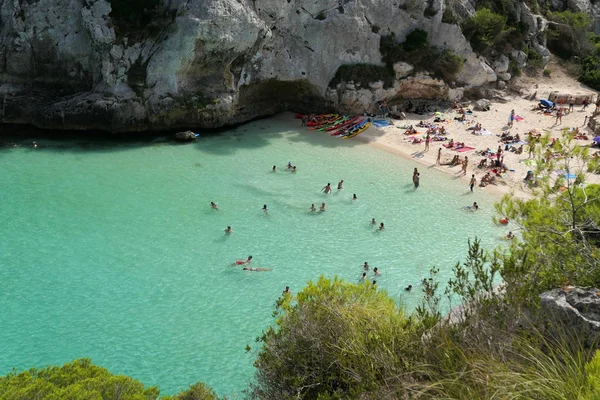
x=83, y=64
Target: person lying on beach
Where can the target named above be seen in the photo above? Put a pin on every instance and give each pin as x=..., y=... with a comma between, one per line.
x=256, y=269
x=519, y=150
x=477, y=128
x=410, y=131
x=243, y=262
x=459, y=145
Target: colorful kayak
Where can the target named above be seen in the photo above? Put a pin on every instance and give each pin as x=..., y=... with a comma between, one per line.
x=337, y=128
x=347, y=131
x=358, y=131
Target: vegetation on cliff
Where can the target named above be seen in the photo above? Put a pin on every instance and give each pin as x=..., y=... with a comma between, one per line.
x=415, y=50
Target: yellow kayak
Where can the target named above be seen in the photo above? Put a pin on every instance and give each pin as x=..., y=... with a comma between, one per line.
x=358, y=131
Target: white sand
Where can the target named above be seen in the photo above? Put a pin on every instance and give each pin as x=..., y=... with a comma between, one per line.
x=392, y=138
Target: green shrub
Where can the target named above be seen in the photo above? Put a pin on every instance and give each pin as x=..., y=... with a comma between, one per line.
x=449, y=17
x=416, y=40
x=590, y=71
x=79, y=379
x=337, y=341
x=483, y=28
x=569, y=34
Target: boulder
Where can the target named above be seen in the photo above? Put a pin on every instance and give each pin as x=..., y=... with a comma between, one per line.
x=482, y=105
x=520, y=58
x=501, y=64
x=185, y=136
x=576, y=308
x=402, y=69
x=505, y=76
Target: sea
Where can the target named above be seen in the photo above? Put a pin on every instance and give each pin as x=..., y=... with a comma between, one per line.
x=110, y=250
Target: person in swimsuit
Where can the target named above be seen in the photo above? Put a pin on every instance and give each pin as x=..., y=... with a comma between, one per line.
x=373, y=222
x=381, y=226
x=213, y=205
x=364, y=276
x=473, y=182
x=228, y=230
x=416, y=178
x=286, y=291
x=354, y=197
x=322, y=207
x=265, y=209
x=313, y=208
x=408, y=288
x=327, y=188
x=376, y=271
x=256, y=269
x=340, y=184
x=274, y=168
x=243, y=262
x=366, y=266
x=294, y=169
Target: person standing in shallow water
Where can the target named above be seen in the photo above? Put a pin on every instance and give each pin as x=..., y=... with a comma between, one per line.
x=341, y=184
x=381, y=226
x=473, y=182
x=327, y=188
x=427, y=142
x=274, y=168
x=439, y=156
x=416, y=178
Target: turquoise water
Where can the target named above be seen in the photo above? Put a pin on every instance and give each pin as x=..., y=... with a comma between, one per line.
x=111, y=251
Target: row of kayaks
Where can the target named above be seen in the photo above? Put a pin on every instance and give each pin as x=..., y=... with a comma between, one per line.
x=342, y=126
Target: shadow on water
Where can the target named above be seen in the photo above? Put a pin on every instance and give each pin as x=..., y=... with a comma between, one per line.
x=252, y=135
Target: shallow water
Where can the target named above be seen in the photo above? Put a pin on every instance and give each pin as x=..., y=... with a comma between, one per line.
x=111, y=251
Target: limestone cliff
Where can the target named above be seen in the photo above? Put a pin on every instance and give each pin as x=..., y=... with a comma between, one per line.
x=75, y=64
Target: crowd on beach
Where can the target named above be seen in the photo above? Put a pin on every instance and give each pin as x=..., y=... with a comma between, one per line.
x=491, y=166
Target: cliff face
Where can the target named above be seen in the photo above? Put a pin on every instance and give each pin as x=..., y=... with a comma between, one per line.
x=74, y=64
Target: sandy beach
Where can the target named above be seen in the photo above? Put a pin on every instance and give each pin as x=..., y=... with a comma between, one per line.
x=494, y=121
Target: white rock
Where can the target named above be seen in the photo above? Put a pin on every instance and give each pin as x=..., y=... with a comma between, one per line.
x=402, y=69
x=501, y=64
x=504, y=76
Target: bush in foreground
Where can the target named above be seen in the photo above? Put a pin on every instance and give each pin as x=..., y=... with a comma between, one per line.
x=80, y=379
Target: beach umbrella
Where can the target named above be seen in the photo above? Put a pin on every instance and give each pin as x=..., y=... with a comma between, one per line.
x=546, y=103
x=596, y=139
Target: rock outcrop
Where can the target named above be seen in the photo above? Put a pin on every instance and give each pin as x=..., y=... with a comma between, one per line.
x=577, y=309
x=77, y=64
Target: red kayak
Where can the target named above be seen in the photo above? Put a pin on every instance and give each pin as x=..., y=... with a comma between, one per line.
x=342, y=125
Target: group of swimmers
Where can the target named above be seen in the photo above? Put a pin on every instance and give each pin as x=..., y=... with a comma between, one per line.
x=366, y=268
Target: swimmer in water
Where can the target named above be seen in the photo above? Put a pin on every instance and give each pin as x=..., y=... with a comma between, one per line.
x=366, y=266
x=415, y=178
x=286, y=291
x=374, y=283
x=354, y=197
x=213, y=205
x=294, y=169
x=289, y=165
x=340, y=184
x=313, y=208
x=322, y=207
x=228, y=230
x=509, y=236
x=256, y=269
x=475, y=206
x=274, y=168
x=327, y=188
x=243, y=262
x=364, y=276
x=376, y=271
x=408, y=288
x=373, y=222
x=265, y=209
x=381, y=226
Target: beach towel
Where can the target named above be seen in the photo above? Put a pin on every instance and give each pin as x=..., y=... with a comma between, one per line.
x=518, y=118
x=463, y=149
x=380, y=123
x=485, y=132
